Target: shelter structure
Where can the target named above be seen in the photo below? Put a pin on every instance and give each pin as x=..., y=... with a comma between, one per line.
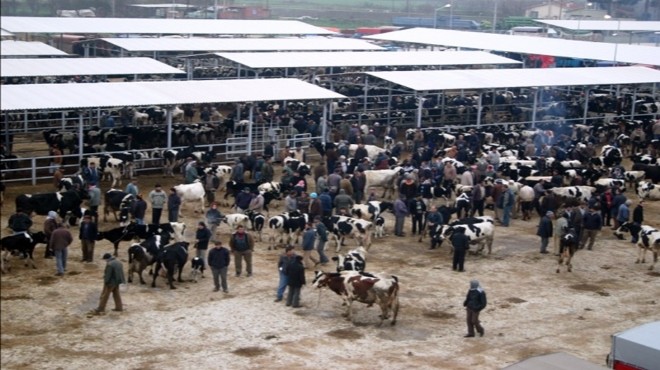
x=54, y=67
x=603, y=25
x=22, y=49
x=4, y=33
x=155, y=26
x=617, y=53
x=425, y=82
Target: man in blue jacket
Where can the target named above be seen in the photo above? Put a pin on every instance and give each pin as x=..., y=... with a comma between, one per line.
x=218, y=259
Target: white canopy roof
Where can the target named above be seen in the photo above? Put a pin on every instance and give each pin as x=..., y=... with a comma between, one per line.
x=83, y=67
x=533, y=77
x=362, y=59
x=159, y=26
x=119, y=94
x=4, y=33
x=527, y=45
x=11, y=48
x=247, y=44
x=603, y=25
x=164, y=5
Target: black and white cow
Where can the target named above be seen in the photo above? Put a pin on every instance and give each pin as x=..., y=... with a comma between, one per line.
x=371, y=210
x=574, y=193
x=117, y=200
x=288, y=224
x=141, y=232
x=21, y=244
x=354, y=260
x=343, y=226
x=647, y=190
x=173, y=257
x=66, y=204
x=196, y=269
x=481, y=234
x=257, y=221
x=144, y=254
x=649, y=240
x=602, y=184
x=568, y=245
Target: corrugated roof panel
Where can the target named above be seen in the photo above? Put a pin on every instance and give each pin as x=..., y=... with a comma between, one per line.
x=68, y=96
x=603, y=25
x=11, y=48
x=5, y=33
x=527, y=45
x=249, y=44
x=362, y=59
x=159, y=26
x=83, y=67
x=537, y=77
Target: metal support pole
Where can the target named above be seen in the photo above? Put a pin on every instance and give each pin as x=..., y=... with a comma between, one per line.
x=632, y=109
x=238, y=72
x=536, y=100
x=586, y=107
x=238, y=112
x=98, y=116
x=249, y=143
x=324, y=122
x=655, y=116
x=63, y=120
x=33, y=172
x=389, y=102
x=189, y=69
x=80, y=135
x=168, y=119
x=25, y=121
x=7, y=133
x=366, y=88
x=420, y=101
x=479, y=108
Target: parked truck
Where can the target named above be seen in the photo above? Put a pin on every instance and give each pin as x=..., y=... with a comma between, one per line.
x=637, y=348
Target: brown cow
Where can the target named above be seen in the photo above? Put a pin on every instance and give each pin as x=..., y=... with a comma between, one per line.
x=363, y=287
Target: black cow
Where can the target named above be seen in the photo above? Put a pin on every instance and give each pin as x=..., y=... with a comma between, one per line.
x=140, y=232
x=117, y=200
x=257, y=221
x=354, y=260
x=75, y=182
x=21, y=244
x=65, y=204
x=144, y=254
x=173, y=256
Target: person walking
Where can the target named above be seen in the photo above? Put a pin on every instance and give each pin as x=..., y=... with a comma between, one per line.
x=211, y=184
x=50, y=225
x=322, y=232
x=59, y=243
x=290, y=202
x=242, y=245
x=623, y=214
x=139, y=210
x=158, y=199
x=94, y=201
x=202, y=239
x=433, y=218
x=606, y=201
x=286, y=259
x=295, y=274
x=218, y=260
x=173, y=206
x=400, y=213
x=545, y=231
x=358, y=181
x=267, y=171
x=308, y=239
x=475, y=301
x=618, y=200
x=112, y=278
x=592, y=223
x=326, y=202
x=88, y=233
x=638, y=219
x=461, y=244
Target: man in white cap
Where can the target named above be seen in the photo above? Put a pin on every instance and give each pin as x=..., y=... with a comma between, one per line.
x=475, y=301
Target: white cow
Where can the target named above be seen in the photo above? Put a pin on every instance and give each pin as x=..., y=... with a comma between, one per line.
x=372, y=150
x=385, y=179
x=648, y=190
x=481, y=233
x=581, y=193
x=192, y=193
x=649, y=240
x=222, y=172
x=234, y=220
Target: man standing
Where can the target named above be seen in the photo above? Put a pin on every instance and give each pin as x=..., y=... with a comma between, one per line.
x=400, y=213
x=638, y=219
x=308, y=239
x=322, y=232
x=243, y=200
x=219, y=259
x=477, y=198
x=342, y=200
x=173, y=206
x=88, y=233
x=158, y=199
x=545, y=231
x=326, y=202
x=59, y=243
x=139, y=210
x=91, y=174
x=358, y=181
x=132, y=188
x=191, y=173
x=286, y=259
x=94, y=201
x=237, y=172
x=267, y=169
x=202, y=238
x=494, y=158
x=623, y=214
x=508, y=200
x=461, y=244
x=112, y=278
x=242, y=245
x=593, y=223
x=295, y=280
x=433, y=218
x=475, y=301
x=211, y=184
x=50, y=225
x=418, y=210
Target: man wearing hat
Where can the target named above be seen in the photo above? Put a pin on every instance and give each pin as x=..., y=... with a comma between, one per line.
x=112, y=278
x=475, y=301
x=88, y=233
x=545, y=230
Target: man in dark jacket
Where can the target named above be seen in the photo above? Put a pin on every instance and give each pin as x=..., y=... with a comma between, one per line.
x=20, y=222
x=592, y=223
x=638, y=219
x=202, y=238
x=88, y=234
x=59, y=243
x=475, y=301
x=545, y=230
x=295, y=280
x=461, y=243
x=139, y=210
x=400, y=213
x=218, y=259
x=326, y=202
x=242, y=245
x=112, y=278
x=418, y=211
x=173, y=206
x=358, y=181
x=322, y=232
x=283, y=263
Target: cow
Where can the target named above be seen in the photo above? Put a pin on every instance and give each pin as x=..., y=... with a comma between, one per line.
x=257, y=222
x=75, y=182
x=235, y=220
x=66, y=204
x=22, y=244
x=288, y=224
x=649, y=240
x=568, y=244
x=192, y=193
x=221, y=172
x=113, y=168
x=144, y=254
x=602, y=184
x=117, y=200
x=371, y=210
x=365, y=288
x=634, y=177
x=462, y=205
x=382, y=178
x=172, y=257
x=647, y=190
x=372, y=150
x=481, y=233
x=354, y=260
x=342, y=226
x=379, y=228
x=134, y=231
x=574, y=193
x=196, y=269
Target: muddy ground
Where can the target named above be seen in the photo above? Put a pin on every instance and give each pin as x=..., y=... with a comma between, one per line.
x=532, y=310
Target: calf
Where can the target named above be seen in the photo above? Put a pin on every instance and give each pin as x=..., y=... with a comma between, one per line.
x=21, y=244
x=117, y=200
x=649, y=240
x=144, y=254
x=354, y=260
x=462, y=205
x=288, y=224
x=647, y=190
x=379, y=229
x=568, y=244
x=173, y=257
x=235, y=220
x=382, y=178
x=371, y=210
x=196, y=269
x=192, y=193
x=365, y=288
x=257, y=221
x=342, y=226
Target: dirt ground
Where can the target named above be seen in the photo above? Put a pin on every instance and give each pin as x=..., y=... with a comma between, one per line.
x=532, y=310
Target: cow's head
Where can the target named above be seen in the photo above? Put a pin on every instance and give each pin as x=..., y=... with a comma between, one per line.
x=321, y=279
x=624, y=228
